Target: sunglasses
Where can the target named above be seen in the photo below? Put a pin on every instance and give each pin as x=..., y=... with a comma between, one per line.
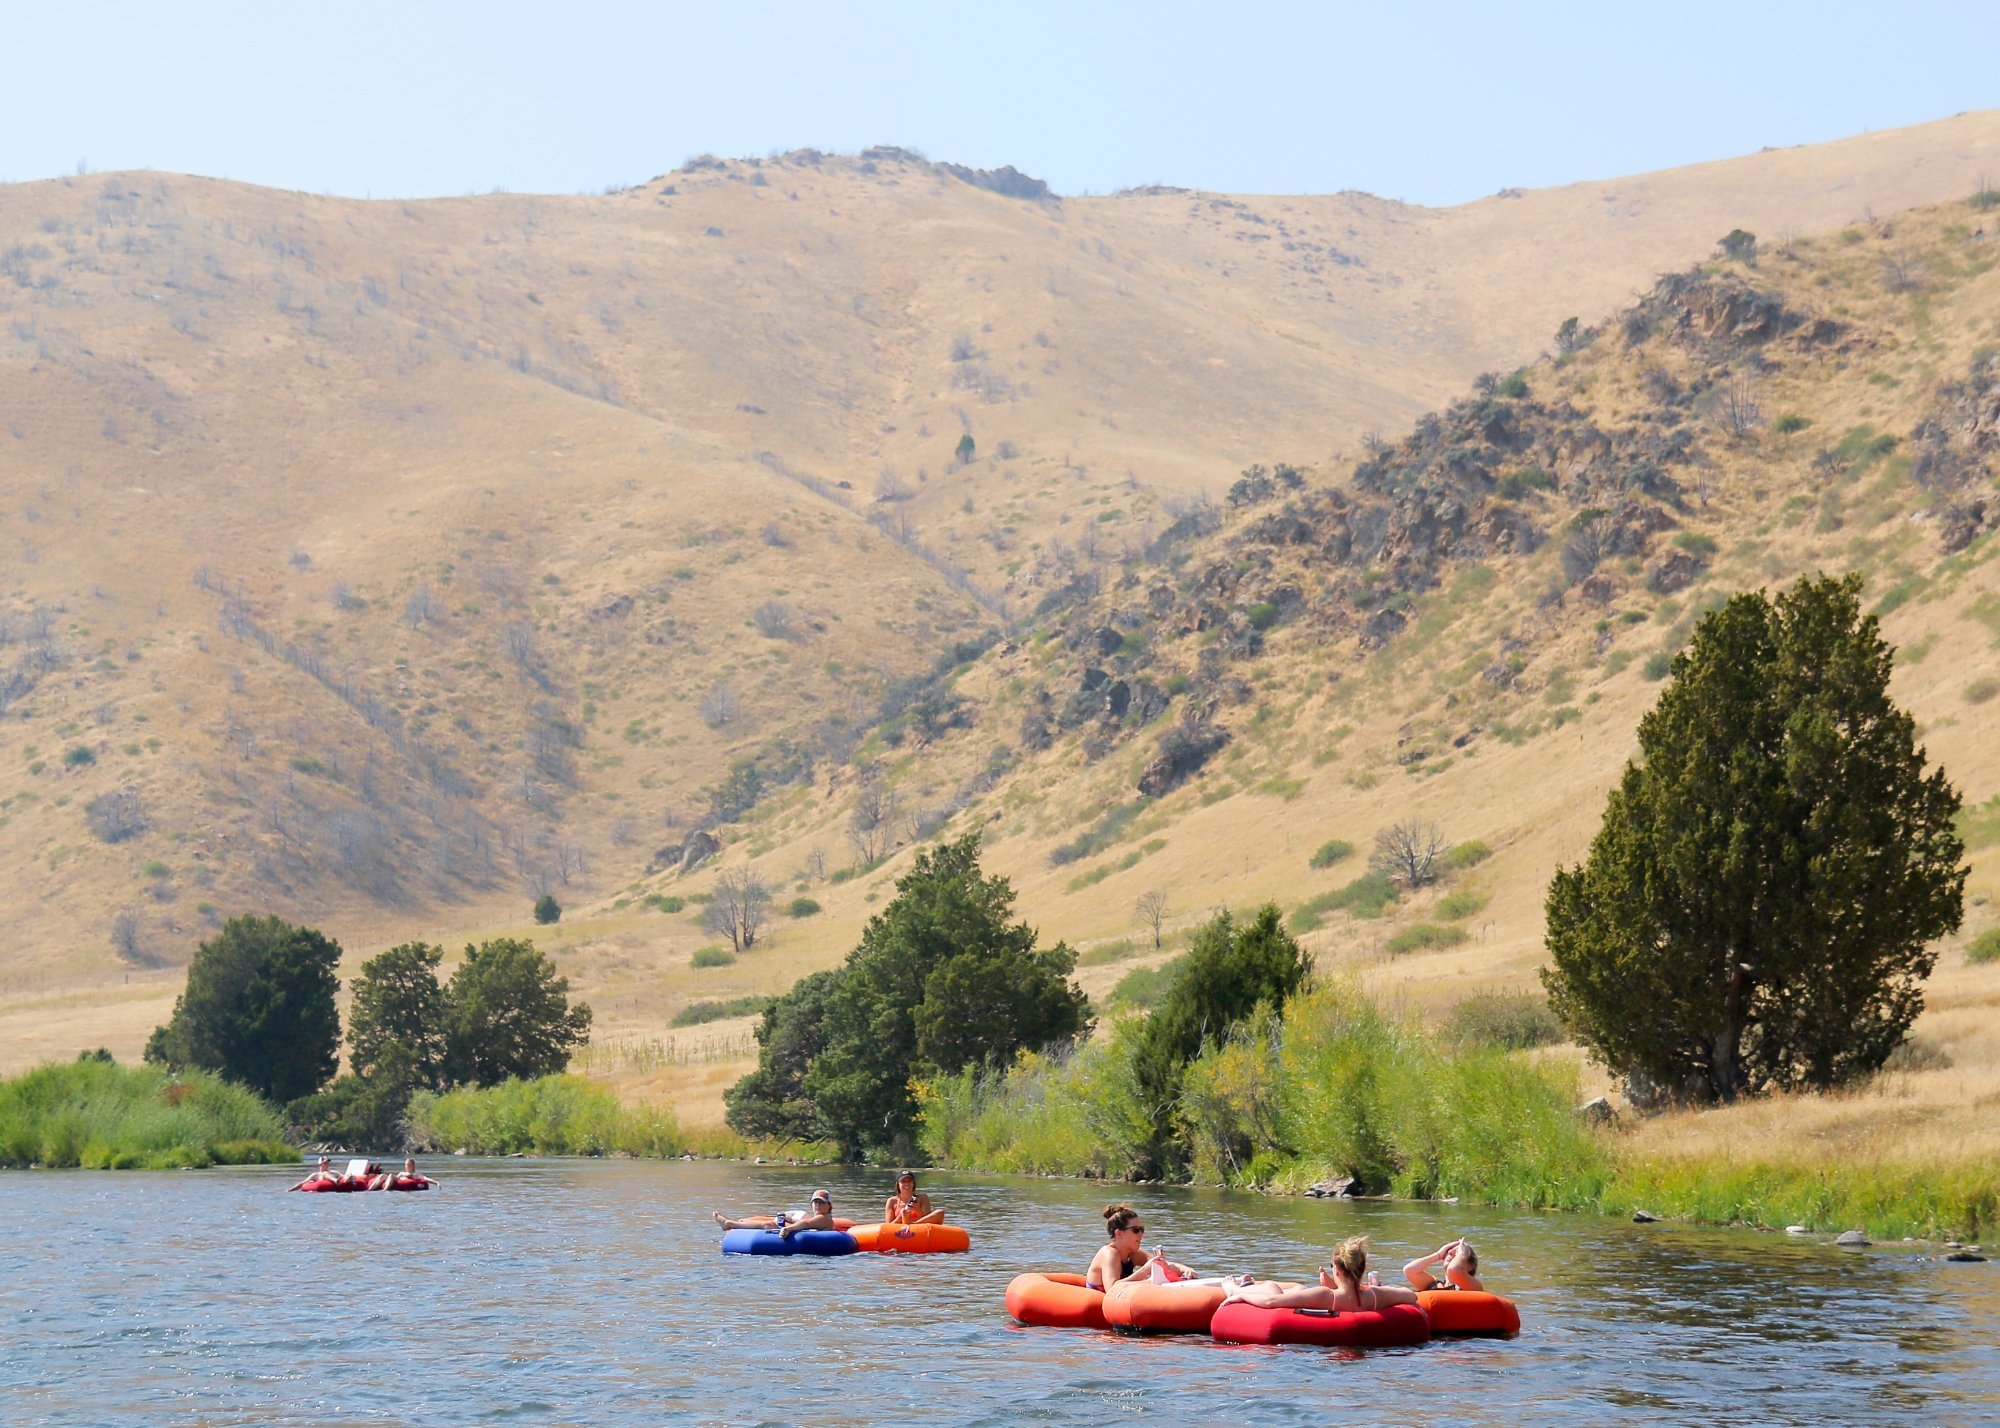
x=1137, y=1229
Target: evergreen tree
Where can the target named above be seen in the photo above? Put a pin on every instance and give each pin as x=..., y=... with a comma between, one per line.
x=1229, y=973
x=1757, y=905
x=771, y=1101
x=258, y=1009
x=941, y=980
x=510, y=1015
x=398, y=1002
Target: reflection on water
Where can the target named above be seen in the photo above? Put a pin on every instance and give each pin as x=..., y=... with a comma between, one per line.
x=571, y=1291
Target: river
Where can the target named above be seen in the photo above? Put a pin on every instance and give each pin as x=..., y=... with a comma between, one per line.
x=592, y=1292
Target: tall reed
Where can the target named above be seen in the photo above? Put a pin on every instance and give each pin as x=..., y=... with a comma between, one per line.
x=102, y=1116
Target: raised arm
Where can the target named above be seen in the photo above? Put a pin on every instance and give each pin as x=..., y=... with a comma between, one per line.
x=1418, y=1270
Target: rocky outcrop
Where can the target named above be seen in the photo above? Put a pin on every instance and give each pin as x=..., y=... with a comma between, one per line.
x=698, y=849
x=1182, y=753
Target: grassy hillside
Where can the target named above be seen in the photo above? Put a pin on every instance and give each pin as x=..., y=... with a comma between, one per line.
x=381, y=564
x=1464, y=627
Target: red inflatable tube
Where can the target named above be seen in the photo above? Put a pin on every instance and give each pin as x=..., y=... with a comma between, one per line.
x=1139, y=1306
x=346, y=1187
x=1466, y=1311
x=1398, y=1326
x=1056, y=1301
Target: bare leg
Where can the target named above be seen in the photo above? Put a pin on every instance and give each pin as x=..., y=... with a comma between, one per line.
x=1269, y=1294
x=748, y=1222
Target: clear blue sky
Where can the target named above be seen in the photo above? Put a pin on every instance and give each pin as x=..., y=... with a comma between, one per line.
x=1433, y=103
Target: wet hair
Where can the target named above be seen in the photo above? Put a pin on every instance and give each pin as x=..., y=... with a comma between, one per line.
x=1350, y=1257
x=1470, y=1256
x=1118, y=1217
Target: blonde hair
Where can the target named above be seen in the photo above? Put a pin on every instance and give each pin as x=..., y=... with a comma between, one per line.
x=1117, y=1217
x=1470, y=1256
x=1350, y=1257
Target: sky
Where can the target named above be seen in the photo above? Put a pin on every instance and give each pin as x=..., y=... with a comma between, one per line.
x=1430, y=103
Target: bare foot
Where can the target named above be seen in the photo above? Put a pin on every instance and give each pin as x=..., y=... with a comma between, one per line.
x=721, y=1219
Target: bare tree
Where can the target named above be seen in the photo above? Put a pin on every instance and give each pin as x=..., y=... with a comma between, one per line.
x=1408, y=852
x=125, y=937
x=775, y=620
x=872, y=823
x=815, y=867
x=1736, y=409
x=421, y=608
x=720, y=706
x=1151, y=910
x=116, y=816
x=739, y=907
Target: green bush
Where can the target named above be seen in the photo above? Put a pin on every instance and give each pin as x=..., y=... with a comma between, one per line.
x=78, y=757
x=1455, y=907
x=1367, y=896
x=665, y=903
x=1425, y=937
x=1658, y=665
x=701, y=1013
x=1985, y=947
x=1469, y=854
x=802, y=907
x=1516, y=484
x=1262, y=615
x=847, y=874
x=1503, y=1021
x=101, y=1116
x=553, y=1115
x=1331, y=852
x=547, y=909
x=1147, y=987
x=1514, y=385
x=1695, y=543
x=1981, y=690
x=1789, y=423
x=711, y=957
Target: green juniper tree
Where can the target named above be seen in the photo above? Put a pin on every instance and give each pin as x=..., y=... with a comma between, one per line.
x=1757, y=907
x=398, y=1002
x=258, y=1009
x=1230, y=971
x=940, y=981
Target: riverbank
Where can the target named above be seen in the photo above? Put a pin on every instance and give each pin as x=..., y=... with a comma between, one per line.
x=1339, y=1088
x=96, y=1115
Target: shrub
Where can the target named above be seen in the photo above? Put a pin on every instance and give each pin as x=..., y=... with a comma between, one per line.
x=1331, y=852
x=711, y=957
x=1658, y=665
x=1985, y=947
x=547, y=909
x=1791, y=422
x=1262, y=615
x=78, y=757
x=1147, y=987
x=1695, y=543
x=1366, y=896
x=552, y=1115
x=802, y=907
x=1469, y=854
x=665, y=903
x=96, y=1114
x=1981, y=690
x=1516, y=484
x=1503, y=1021
x=701, y=1013
x=1457, y=906
x=1918, y=1053
x=1515, y=385
x=1425, y=937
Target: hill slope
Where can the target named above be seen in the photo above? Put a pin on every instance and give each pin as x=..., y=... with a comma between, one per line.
x=382, y=563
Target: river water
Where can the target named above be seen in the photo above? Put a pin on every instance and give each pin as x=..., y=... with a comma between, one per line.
x=592, y=1292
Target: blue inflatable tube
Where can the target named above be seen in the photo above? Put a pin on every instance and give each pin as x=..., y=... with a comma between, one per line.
x=821, y=1242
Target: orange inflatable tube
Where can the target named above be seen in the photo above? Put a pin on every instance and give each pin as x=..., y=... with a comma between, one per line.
x=1056, y=1301
x=1139, y=1306
x=899, y=1238
x=1466, y=1311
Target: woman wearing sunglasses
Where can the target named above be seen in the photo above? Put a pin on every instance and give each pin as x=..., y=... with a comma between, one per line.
x=1124, y=1257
